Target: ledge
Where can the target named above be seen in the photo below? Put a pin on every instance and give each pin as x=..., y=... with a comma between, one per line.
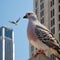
x=40, y=57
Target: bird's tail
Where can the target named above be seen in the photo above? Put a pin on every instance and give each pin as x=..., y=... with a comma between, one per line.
x=58, y=50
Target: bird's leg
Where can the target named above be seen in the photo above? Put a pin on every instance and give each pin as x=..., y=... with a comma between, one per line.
x=39, y=52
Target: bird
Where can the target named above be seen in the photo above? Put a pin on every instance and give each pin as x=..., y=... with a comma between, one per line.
x=15, y=22
x=41, y=37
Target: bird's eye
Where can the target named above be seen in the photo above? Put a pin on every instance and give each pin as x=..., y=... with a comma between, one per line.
x=28, y=13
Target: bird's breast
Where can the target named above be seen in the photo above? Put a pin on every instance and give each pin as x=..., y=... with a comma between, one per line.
x=31, y=32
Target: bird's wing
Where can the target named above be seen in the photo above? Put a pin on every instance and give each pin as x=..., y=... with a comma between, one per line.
x=17, y=20
x=12, y=22
x=46, y=37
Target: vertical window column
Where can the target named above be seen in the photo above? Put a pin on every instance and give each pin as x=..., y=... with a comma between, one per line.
x=59, y=26
x=59, y=8
x=59, y=1
x=52, y=13
x=59, y=36
x=52, y=22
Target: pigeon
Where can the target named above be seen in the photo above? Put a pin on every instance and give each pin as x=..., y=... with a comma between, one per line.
x=15, y=22
x=40, y=36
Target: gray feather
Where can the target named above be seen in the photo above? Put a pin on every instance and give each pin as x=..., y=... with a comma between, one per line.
x=46, y=37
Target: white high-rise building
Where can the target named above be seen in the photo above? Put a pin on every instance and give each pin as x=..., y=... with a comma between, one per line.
x=48, y=13
x=6, y=44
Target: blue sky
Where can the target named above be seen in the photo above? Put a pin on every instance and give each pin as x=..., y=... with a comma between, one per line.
x=12, y=10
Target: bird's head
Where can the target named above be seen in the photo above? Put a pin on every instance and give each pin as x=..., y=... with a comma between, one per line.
x=30, y=15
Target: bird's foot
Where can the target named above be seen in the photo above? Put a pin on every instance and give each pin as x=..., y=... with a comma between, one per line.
x=39, y=52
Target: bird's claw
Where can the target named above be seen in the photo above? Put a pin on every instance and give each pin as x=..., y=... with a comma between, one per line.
x=39, y=52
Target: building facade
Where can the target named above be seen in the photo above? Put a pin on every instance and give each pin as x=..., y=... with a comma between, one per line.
x=48, y=13
x=6, y=43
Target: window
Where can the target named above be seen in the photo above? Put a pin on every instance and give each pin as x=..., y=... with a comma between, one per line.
x=42, y=13
x=41, y=0
x=8, y=49
x=59, y=36
x=42, y=20
x=36, y=11
x=53, y=57
x=36, y=4
x=8, y=33
x=59, y=17
x=52, y=3
x=53, y=30
x=59, y=1
x=1, y=49
x=1, y=31
x=59, y=26
x=59, y=8
x=42, y=6
x=52, y=22
x=52, y=13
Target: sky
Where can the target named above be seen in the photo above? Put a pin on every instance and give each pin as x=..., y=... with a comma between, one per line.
x=12, y=10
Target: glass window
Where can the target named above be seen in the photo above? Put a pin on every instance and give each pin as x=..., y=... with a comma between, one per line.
x=0, y=31
x=41, y=0
x=42, y=13
x=52, y=22
x=59, y=36
x=59, y=8
x=53, y=30
x=1, y=49
x=52, y=13
x=59, y=26
x=36, y=4
x=53, y=57
x=42, y=20
x=59, y=17
x=59, y=1
x=42, y=6
x=8, y=49
x=52, y=3
x=8, y=33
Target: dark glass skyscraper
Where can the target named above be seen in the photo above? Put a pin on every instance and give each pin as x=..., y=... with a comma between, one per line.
x=6, y=43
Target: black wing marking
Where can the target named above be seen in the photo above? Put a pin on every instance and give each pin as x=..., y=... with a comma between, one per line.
x=18, y=20
x=45, y=30
x=12, y=22
x=45, y=37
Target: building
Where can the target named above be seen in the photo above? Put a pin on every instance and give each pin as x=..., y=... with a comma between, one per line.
x=48, y=13
x=6, y=43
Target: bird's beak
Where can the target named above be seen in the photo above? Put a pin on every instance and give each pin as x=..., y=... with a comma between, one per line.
x=25, y=16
